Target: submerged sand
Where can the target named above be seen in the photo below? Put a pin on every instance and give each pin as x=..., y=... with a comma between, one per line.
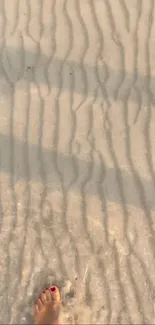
x=77, y=158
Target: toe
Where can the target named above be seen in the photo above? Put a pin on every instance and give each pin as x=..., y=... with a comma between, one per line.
x=36, y=308
x=55, y=295
x=38, y=305
x=43, y=298
x=48, y=296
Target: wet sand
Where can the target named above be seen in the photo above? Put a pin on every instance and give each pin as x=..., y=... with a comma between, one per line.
x=77, y=158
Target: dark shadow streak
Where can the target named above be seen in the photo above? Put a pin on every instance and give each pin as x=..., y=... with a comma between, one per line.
x=32, y=72
x=110, y=192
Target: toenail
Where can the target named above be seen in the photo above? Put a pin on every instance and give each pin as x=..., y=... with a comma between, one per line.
x=53, y=289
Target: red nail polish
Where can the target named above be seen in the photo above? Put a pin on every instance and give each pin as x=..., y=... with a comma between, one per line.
x=53, y=289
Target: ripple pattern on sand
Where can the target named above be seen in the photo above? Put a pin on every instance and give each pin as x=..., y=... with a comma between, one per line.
x=77, y=157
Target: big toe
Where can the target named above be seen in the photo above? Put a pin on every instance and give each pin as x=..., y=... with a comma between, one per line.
x=55, y=294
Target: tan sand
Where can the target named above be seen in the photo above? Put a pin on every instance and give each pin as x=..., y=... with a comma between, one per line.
x=77, y=159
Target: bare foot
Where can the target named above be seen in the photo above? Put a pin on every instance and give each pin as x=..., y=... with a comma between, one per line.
x=47, y=307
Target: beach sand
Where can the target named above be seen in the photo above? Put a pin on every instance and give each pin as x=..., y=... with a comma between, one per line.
x=77, y=159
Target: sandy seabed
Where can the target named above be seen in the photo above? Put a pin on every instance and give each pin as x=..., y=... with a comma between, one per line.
x=77, y=158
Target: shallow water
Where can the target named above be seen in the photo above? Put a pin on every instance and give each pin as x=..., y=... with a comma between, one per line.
x=77, y=158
